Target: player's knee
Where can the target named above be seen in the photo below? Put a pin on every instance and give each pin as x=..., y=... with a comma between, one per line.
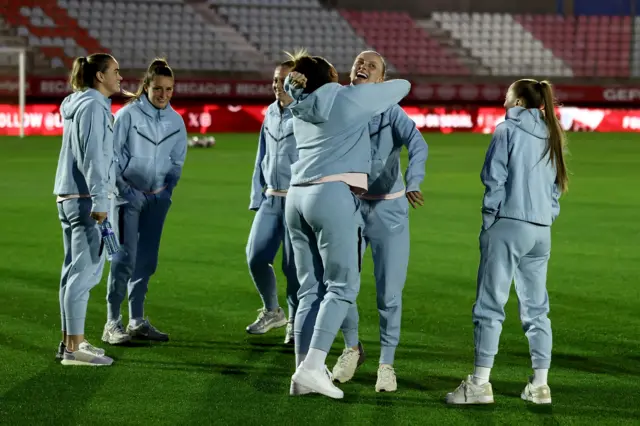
x=389, y=300
x=533, y=316
x=146, y=267
x=256, y=262
x=123, y=262
x=345, y=293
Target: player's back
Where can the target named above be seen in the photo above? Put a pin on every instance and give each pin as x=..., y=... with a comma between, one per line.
x=331, y=127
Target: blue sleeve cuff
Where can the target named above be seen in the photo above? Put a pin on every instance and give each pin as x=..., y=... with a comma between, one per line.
x=100, y=203
x=413, y=187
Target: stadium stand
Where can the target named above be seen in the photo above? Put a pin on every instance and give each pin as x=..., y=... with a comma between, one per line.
x=275, y=26
x=138, y=31
x=409, y=47
x=500, y=43
x=635, y=64
x=50, y=29
x=598, y=46
x=251, y=35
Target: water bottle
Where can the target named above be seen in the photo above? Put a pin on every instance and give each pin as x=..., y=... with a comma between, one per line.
x=109, y=238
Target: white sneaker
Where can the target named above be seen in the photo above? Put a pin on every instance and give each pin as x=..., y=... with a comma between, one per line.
x=114, y=333
x=296, y=389
x=347, y=363
x=319, y=381
x=537, y=395
x=86, y=355
x=386, y=379
x=267, y=320
x=469, y=393
x=62, y=347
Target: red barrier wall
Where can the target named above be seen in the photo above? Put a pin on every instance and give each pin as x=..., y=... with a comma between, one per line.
x=44, y=119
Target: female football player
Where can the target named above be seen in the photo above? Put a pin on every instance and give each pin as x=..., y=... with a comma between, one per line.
x=524, y=174
x=322, y=210
x=85, y=180
x=151, y=144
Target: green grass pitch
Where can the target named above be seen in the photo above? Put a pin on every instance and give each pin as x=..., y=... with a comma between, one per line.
x=212, y=372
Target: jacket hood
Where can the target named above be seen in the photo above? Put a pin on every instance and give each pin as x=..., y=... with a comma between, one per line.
x=72, y=103
x=529, y=120
x=316, y=107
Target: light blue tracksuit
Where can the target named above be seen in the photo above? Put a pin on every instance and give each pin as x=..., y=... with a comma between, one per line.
x=276, y=152
x=85, y=167
x=324, y=220
x=521, y=201
x=386, y=222
x=151, y=146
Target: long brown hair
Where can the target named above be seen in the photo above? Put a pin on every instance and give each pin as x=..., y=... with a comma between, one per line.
x=159, y=66
x=84, y=70
x=539, y=94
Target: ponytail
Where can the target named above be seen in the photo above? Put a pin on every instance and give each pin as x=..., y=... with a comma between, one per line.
x=556, y=144
x=84, y=70
x=539, y=95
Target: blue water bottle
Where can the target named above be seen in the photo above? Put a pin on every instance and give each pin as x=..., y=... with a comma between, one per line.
x=109, y=238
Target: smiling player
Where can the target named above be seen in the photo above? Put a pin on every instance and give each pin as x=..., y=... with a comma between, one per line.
x=385, y=210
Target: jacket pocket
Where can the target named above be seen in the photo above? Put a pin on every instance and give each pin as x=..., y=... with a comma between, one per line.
x=139, y=172
x=163, y=168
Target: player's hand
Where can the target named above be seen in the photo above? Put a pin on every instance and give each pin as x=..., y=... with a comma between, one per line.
x=415, y=199
x=298, y=80
x=99, y=216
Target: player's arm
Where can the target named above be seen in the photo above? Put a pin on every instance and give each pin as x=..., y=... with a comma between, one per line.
x=494, y=175
x=405, y=130
x=121, y=147
x=178, y=156
x=90, y=155
x=257, y=181
x=294, y=85
x=374, y=99
x=122, y=152
x=555, y=203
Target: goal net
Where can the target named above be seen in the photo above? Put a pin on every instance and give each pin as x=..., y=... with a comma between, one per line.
x=13, y=89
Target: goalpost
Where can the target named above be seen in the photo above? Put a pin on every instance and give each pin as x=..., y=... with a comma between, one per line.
x=22, y=80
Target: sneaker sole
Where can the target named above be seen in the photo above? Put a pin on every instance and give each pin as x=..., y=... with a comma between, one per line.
x=481, y=400
x=269, y=327
x=116, y=342
x=301, y=380
x=296, y=391
x=82, y=363
x=149, y=339
x=386, y=389
x=536, y=400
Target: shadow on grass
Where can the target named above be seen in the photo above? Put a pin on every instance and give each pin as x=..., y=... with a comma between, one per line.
x=57, y=395
x=611, y=365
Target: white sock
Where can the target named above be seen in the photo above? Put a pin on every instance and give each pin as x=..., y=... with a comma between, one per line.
x=481, y=375
x=134, y=322
x=315, y=359
x=540, y=377
x=299, y=359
